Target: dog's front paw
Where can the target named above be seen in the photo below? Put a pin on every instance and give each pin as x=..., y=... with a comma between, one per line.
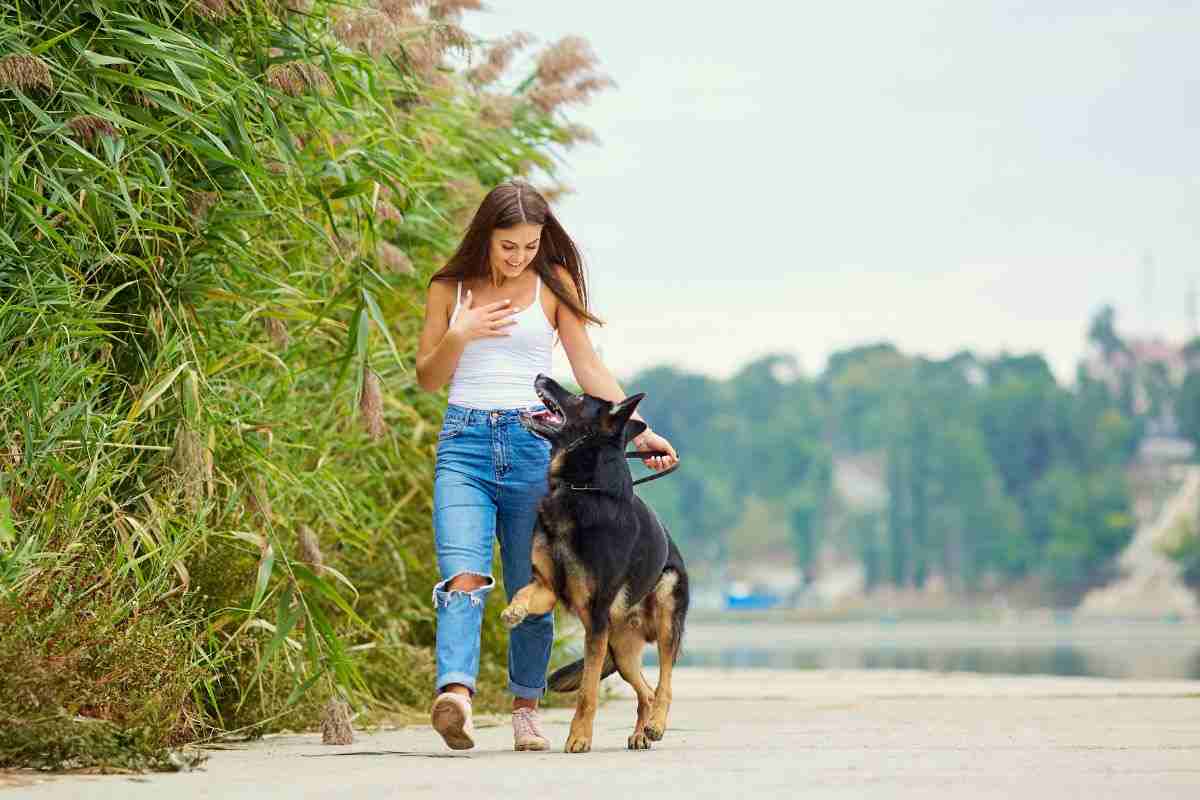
x=577, y=743
x=638, y=741
x=655, y=732
x=514, y=615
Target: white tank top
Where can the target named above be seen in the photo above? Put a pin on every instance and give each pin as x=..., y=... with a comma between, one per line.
x=498, y=372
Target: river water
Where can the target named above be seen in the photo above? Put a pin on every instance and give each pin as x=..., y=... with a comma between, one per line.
x=1144, y=650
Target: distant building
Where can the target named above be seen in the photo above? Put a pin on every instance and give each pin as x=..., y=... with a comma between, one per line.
x=1149, y=367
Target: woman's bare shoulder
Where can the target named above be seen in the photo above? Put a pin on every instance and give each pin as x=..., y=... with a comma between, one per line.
x=442, y=295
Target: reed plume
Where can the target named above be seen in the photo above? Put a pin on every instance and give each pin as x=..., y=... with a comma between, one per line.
x=370, y=405
x=401, y=12
x=192, y=461
x=393, y=259
x=308, y=550
x=200, y=203
x=498, y=110
x=498, y=58
x=565, y=59
x=213, y=10
x=89, y=127
x=452, y=9
x=387, y=212
x=566, y=75
x=335, y=723
x=368, y=28
x=295, y=78
x=25, y=72
x=277, y=332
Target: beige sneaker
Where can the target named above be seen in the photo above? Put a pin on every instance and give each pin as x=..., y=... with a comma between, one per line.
x=527, y=730
x=451, y=717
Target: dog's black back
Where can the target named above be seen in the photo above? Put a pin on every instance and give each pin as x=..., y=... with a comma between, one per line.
x=617, y=538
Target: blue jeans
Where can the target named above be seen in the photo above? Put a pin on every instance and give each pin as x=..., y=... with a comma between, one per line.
x=490, y=477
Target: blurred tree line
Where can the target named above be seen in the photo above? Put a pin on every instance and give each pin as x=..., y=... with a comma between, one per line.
x=994, y=472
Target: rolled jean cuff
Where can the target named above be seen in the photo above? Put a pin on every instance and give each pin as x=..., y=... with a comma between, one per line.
x=525, y=692
x=456, y=677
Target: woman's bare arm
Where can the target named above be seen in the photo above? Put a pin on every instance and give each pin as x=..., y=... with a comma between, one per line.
x=437, y=353
x=595, y=378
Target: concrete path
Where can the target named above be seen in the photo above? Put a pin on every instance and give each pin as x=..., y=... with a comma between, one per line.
x=754, y=734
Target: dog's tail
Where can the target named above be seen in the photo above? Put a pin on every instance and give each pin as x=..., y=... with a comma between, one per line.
x=568, y=678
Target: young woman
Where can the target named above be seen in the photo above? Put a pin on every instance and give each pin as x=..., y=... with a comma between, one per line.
x=494, y=311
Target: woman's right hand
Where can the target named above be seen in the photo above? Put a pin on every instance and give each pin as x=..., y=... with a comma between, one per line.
x=482, y=322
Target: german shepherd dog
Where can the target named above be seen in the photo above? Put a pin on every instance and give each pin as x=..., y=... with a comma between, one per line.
x=601, y=552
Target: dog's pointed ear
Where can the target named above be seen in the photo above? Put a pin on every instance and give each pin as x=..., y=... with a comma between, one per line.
x=618, y=417
x=633, y=429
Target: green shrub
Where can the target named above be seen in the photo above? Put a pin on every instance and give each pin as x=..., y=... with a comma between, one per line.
x=218, y=218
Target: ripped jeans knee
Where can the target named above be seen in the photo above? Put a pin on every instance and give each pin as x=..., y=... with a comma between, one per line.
x=444, y=596
x=459, y=620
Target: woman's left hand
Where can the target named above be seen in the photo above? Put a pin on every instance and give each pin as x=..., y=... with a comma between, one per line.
x=649, y=440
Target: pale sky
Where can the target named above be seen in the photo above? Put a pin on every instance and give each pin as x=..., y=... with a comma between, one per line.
x=803, y=177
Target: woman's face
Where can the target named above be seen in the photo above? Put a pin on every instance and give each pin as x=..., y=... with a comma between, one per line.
x=513, y=248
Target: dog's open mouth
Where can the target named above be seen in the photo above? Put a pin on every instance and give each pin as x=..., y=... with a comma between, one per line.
x=553, y=415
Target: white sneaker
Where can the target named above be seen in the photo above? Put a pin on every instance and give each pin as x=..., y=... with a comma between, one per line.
x=451, y=717
x=527, y=730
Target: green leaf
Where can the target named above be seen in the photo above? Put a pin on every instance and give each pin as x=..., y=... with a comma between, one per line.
x=103, y=302
x=46, y=45
x=309, y=577
x=8, y=533
x=351, y=189
x=300, y=689
x=146, y=401
x=286, y=618
x=184, y=81
x=377, y=315
x=357, y=351
x=138, y=82
x=97, y=60
x=343, y=668
x=315, y=188
x=265, y=564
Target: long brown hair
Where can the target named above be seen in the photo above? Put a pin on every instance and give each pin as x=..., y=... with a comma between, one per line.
x=510, y=204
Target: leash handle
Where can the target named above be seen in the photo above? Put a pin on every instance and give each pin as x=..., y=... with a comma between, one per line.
x=642, y=454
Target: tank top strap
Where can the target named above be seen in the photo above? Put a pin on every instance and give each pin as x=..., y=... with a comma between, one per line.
x=457, y=303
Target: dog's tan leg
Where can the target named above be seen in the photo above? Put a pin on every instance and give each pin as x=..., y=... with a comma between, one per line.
x=533, y=598
x=536, y=597
x=664, y=623
x=595, y=648
x=627, y=644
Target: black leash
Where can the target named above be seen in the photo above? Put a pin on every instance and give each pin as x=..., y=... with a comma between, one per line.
x=639, y=455
x=651, y=454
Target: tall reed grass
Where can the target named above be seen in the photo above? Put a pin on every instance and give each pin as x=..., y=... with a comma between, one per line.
x=216, y=220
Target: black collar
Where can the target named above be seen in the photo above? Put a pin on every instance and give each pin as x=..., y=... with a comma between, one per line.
x=616, y=491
